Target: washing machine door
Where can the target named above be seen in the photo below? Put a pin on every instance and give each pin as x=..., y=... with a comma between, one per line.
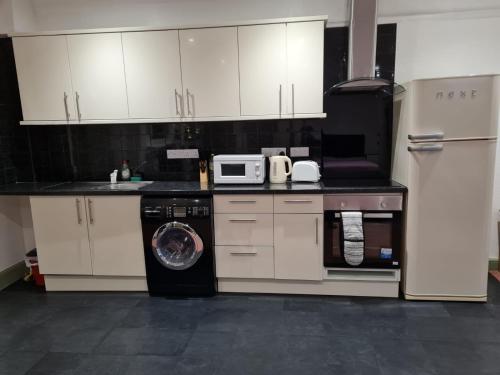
x=177, y=246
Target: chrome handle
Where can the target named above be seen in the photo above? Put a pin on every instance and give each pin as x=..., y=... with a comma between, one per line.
x=317, y=222
x=187, y=99
x=298, y=201
x=78, y=212
x=66, y=105
x=249, y=201
x=280, y=99
x=425, y=148
x=91, y=215
x=78, y=106
x=293, y=99
x=243, y=220
x=243, y=253
x=423, y=137
x=177, y=112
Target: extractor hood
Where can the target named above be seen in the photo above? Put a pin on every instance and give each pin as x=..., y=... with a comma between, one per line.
x=362, y=52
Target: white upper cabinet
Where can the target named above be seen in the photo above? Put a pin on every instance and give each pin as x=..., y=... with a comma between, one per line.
x=44, y=78
x=98, y=74
x=210, y=72
x=153, y=73
x=305, y=45
x=263, y=78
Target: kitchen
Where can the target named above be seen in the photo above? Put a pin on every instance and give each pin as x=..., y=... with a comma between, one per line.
x=111, y=241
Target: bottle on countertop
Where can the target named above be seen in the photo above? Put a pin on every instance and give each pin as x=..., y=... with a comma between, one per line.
x=125, y=172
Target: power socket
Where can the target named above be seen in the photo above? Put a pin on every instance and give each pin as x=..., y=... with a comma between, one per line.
x=272, y=151
x=296, y=152
x=186, y=153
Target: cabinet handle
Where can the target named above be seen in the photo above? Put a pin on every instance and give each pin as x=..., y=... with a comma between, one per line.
x=248, y=201
x=298, y=201
x=425, y=148
x=187, y=99
x=177, y=112
x=423, y=137
x=78, y=211
x=243, y=220
x=243, y=253
x=280, y=97
x=317, y=230
x=78, y=105
x=66, y=105
x=91, y=215
x=293, y=99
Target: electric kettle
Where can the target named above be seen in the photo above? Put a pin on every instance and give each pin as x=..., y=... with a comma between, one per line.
x=277, y=169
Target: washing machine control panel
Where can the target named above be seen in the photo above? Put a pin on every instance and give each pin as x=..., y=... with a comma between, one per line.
x=187, y=211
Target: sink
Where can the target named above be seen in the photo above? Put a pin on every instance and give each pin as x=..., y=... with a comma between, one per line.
x=125, y=185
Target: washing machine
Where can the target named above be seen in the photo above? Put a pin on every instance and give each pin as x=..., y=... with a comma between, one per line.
x=178, y=246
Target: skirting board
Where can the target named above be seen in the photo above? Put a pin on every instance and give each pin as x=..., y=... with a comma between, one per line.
x=493, y=265
x=12, y=274
x=57, y=283
x=326, y=287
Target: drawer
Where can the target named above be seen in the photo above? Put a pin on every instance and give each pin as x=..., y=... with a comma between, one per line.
x=364, y=202
x=298, y=203
x=248, y=262
x=243, y=203
x=244, y=229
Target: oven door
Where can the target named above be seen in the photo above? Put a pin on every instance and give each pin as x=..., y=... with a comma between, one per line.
x=382, y=240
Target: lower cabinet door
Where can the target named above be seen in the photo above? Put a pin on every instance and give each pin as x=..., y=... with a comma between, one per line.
x=298, y=246
x=60, y=226
x=248, y=262
x=115, y=234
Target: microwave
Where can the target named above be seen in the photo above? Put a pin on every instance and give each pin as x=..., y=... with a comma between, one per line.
x=239, y=169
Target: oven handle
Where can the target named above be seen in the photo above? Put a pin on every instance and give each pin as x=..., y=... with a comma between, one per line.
x=384, y=215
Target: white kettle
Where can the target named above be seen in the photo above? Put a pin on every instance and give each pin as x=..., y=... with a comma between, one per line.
x=277, y=169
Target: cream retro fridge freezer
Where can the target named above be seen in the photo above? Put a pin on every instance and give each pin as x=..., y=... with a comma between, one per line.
x=444, y=152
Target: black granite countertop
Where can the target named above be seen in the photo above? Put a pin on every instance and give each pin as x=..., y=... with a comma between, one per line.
x=195, y=188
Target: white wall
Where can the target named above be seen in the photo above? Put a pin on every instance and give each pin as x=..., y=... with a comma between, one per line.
x=73, y=14
x=6, y=23
x=15, y=231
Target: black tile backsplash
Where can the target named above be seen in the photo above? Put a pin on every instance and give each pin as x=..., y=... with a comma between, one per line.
x=91, y=152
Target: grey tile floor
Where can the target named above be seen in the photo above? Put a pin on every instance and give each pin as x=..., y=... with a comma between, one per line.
x=131, y=333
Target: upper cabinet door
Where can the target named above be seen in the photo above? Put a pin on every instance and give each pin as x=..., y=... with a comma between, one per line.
x=305, y=67
x=98, y=75
x=262, y=57
x=153, y=73
x=209, y=60
x=44, y=78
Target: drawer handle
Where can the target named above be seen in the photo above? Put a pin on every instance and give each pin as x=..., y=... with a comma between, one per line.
x=298, y=201
x=243, y=201
x=243, y=253
x=243, y=220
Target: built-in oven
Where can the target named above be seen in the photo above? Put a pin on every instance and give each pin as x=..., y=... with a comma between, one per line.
x=378, y=227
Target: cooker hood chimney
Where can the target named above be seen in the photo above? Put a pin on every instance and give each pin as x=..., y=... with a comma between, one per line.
x=362, y=52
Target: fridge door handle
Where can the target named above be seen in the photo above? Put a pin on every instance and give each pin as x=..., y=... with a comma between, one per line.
x=425, y=148
x=424, y=137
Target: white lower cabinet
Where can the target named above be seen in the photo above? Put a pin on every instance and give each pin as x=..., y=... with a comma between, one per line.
x=115, y=235
x=298, y=246
x=62, y=241
x=98, y=236
x=245, y=261
x=281, y=239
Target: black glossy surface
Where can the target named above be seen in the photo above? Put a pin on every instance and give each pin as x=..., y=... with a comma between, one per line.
x=187, y=188
x=132, y=333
